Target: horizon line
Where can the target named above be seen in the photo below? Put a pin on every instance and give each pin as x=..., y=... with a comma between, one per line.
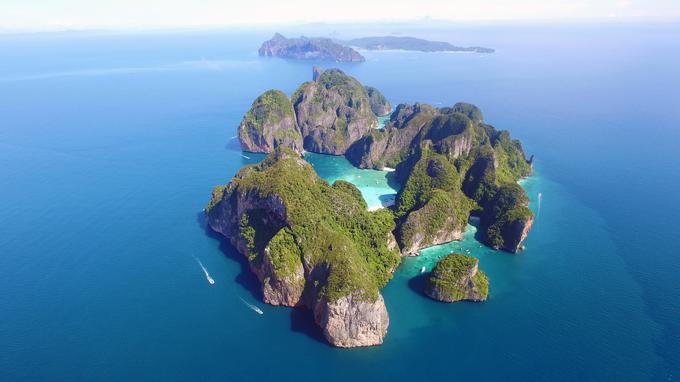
x=345, y=23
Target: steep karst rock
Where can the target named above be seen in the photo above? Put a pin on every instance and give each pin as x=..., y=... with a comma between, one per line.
x=270, y=122
x=332, y=112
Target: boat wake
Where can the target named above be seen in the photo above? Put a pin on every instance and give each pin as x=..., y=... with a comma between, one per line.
x=205, y=271
x=245, y=156
x=251, y=306
x=540, y=199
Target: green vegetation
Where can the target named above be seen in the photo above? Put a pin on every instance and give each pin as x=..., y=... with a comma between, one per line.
x=270, y=107
x=284, y=252
x=454, y=279
x=327, y=226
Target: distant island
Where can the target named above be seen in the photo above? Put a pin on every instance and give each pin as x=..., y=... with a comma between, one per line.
x=304, y=48
x=326, y=49
x=411, y=43
x=317, y=245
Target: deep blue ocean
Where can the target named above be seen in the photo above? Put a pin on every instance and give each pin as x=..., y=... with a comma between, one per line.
x=110, y=144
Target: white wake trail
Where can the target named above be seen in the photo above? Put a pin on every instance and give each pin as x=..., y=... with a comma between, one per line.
x=251, y=306
x=205, y=271
x=540, y=199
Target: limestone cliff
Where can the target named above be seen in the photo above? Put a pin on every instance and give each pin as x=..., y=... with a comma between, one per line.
x=350, y=321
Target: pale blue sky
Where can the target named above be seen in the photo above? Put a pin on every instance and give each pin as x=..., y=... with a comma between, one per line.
x=59, y=14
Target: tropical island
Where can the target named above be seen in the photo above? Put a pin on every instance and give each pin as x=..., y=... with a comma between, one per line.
x=411, y=43
x=306, y=48
x=316, y=245
x=320, y=48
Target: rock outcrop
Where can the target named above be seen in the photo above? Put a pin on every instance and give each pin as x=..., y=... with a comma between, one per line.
x=456, y=278
x=270, y=122
x=332, y=112
x=305, y=48
x=310, y=244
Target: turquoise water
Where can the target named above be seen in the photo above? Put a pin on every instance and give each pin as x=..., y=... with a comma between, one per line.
x=378, y=188
x=111, y=143
x=382, y=121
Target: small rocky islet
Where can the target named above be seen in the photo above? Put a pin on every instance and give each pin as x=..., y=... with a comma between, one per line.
x=317, y=245
x=457, y=277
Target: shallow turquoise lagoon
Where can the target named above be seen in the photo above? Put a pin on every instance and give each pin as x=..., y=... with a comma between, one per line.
x=378, y=187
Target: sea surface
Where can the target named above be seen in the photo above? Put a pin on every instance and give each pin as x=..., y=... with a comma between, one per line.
x=110, y=144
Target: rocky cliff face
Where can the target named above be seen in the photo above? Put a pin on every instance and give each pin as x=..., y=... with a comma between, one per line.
x=284, y=219
x=270, y=122
x=379, y=104
x=304, y=48
x=351, y=321
x=517, y=231
x=457, y=277
x=332, y=112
